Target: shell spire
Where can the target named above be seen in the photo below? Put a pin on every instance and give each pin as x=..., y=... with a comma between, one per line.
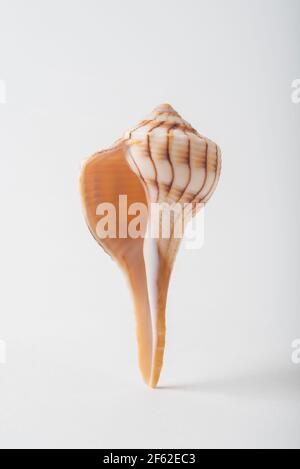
x=162, y=164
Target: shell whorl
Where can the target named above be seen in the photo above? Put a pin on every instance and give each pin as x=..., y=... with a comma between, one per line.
x=175, y=162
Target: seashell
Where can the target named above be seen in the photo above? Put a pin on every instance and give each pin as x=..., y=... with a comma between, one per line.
x=164, y=161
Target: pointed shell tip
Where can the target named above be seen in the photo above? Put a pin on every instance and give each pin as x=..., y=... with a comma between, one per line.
x=165, y=107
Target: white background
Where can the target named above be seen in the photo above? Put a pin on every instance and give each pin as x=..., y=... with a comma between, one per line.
x=77, y=74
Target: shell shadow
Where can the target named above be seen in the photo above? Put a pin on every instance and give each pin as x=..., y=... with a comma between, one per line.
x=279, y=384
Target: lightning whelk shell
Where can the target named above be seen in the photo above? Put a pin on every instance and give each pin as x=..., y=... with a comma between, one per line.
x=162, y=159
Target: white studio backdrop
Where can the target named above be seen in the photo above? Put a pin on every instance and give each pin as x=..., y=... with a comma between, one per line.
x=74, y=75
